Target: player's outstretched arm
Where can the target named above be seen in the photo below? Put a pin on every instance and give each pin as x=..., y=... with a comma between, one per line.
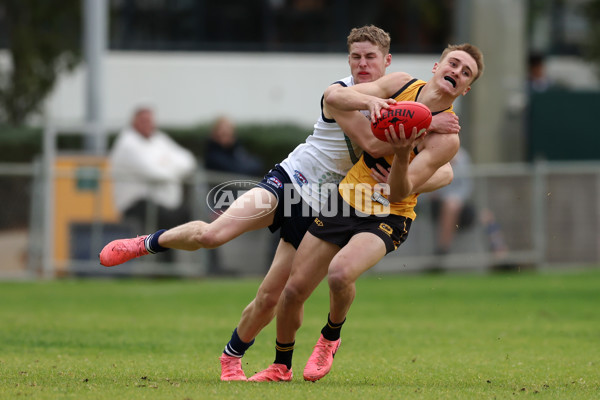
x=346, y=99
x=435, y=154
x=442, y=177
x=399, y=181
x=358, y=129
x=407, y=176
x=371, y=96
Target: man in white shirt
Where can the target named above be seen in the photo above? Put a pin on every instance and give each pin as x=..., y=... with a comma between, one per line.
x=149, y=167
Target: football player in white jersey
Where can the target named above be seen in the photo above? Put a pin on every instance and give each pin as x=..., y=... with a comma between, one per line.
x=289, y=196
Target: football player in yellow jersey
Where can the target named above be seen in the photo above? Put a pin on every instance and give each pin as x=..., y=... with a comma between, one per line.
x=345, y=245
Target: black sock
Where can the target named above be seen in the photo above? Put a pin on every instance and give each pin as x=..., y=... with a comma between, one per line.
x=332, y=331
x=151, y=242
x=284, y=353
x=236, y=347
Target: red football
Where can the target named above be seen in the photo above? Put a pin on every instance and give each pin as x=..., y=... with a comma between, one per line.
x=409, y=113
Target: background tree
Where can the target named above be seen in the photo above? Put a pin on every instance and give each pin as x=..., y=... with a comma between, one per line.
x=43, y=40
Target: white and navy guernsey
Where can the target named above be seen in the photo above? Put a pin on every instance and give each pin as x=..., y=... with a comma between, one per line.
x=324, y=159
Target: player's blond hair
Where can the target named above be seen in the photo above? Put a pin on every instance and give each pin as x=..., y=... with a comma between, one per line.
x=373, y=34
x=471, y=50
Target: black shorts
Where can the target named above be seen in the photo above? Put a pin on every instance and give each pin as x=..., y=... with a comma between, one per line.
x=293, y=218
x=339, y=229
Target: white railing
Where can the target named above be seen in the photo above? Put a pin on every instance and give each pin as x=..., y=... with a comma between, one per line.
x=549, y=215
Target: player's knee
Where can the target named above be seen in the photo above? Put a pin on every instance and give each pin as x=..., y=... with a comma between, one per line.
x=208, y=239
x=293, y=293
x=338, y=279
x=266, y=302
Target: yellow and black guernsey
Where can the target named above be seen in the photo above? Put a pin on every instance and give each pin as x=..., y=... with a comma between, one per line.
x=361, y=191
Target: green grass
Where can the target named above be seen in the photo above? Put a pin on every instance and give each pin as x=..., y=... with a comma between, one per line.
x=525, y=335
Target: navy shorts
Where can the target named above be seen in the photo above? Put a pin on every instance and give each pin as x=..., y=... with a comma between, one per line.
x=339, y=229
x=293, y=218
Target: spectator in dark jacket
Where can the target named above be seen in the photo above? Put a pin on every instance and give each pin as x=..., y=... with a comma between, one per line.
x=224, y=152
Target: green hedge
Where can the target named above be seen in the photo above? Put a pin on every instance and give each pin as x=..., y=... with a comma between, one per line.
x=19, y=144
x=271, y=142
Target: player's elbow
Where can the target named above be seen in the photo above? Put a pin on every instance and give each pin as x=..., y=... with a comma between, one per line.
x=450, y=177
x=397, y=195
x=332, y=95
x=396, y=198
x=447, y=175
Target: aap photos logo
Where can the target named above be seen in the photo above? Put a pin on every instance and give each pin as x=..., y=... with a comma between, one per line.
x=232, y=196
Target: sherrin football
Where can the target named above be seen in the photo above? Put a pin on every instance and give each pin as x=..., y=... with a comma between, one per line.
x=409, y=113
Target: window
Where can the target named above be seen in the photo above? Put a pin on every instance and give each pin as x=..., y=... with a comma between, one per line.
x=558, y=27
x=416, y=26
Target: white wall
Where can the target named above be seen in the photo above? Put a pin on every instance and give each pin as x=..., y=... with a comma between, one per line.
x=190, y=88
x=573, y=73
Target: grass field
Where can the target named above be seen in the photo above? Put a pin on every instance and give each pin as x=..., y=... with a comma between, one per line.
x=522, y=335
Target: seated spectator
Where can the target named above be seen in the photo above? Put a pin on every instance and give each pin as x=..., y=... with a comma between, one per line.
x=452, y=209
x=149, y=169
x=224, y=152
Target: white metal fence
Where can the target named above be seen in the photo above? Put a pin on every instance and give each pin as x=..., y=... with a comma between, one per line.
x=548, y=214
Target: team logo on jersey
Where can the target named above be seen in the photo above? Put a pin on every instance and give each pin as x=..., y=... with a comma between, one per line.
x=273, y=181
x=300, y=178
x=318, y=222
x=386, y=229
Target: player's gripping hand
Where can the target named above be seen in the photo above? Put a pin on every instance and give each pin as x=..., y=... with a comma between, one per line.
x=445, y=122
x=376, y=104
x=380, y=174
x=401, y=144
